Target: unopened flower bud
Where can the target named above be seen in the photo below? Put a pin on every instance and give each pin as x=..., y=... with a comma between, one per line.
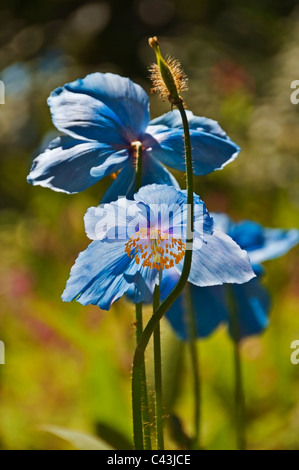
x=167, y=75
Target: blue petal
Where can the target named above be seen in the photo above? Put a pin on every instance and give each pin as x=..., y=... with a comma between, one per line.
x=209, y=152
x=83, y=117
x=105, y=107
x=277, y=242
x=217, y=260
x=170, y=119
x=66, y=164
x=261, y=243
x=223, y=222
x=154, y=172
x=249, y=235
x=252, y=303
x=166, y=206
x=123, y=185
x=160, y=195
x=164, y=201
x=114, y=220
x=208, y=304
x=103, y=273
x=144, y=284
x=174, y=119
x=212, y=307
x=97, y=277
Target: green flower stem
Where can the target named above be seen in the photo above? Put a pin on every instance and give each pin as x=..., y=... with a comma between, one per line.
x=137, y=388
x=141, y=420
x=158, y=374
x=190, y=310
x=142, y=425
x=239, y=388
x=165, y=305
x=191, y=321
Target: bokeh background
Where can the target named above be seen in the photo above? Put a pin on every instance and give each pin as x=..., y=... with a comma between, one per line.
x=69, y=365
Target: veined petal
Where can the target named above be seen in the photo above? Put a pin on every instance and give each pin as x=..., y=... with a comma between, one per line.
x=170, y=204
x=165, y=206
x=124, y=98
x=65, y=165
x=218, y=260
x=277, y=242
x=99, y=274
x=83, y=117
x=209, y=151
x=114, y=221
x=173, y=119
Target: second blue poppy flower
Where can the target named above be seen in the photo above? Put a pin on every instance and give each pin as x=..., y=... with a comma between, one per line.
x=102, y=117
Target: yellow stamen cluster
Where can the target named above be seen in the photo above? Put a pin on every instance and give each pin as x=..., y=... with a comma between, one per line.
x=155, y=249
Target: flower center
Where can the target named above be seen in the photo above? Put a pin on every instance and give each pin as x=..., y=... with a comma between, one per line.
x=155, y=249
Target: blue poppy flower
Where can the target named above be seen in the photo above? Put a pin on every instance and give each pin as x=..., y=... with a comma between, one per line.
x=134, y=241
x=251, y=299
x=102, y=117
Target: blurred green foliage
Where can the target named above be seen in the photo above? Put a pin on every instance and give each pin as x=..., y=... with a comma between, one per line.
x=68, y=365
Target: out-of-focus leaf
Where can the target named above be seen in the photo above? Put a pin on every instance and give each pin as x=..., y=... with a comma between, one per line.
x=177, y=432
x=113, y=437
x=78, y=439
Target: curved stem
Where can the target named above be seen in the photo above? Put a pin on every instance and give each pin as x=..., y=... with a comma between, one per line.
x=191, y=320
x=165, y=305
x=158, y=375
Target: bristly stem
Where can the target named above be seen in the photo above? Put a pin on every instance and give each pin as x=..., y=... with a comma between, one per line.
x=137, y=388
x=158, y=374
x=165, y=305
x=192, y=334
x=144, y=423
x=140, y=408
x=239, y=388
